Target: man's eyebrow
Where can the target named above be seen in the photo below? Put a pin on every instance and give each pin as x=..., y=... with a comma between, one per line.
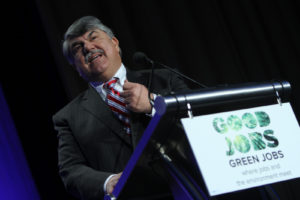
x=90, y=34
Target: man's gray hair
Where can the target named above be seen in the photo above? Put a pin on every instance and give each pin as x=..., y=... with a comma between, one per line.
x=78, y=28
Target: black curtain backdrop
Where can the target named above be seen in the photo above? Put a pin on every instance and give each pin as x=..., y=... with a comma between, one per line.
x=213, y=41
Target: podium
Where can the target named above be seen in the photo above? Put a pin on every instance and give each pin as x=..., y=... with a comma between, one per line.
x=164, y=153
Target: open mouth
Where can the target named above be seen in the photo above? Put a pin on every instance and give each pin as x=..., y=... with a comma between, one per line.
x=94, y=57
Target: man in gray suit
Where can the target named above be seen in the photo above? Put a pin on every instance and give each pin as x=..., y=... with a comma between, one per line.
x=94, y=146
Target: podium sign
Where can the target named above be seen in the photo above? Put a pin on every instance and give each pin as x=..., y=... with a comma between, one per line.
x=245, y=148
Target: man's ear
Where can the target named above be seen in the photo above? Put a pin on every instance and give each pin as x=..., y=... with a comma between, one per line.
x=116, y=43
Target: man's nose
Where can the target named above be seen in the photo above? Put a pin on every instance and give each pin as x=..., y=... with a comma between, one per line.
x=88, y=46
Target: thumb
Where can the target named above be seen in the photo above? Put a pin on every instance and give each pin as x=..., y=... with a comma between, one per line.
x=125, y=86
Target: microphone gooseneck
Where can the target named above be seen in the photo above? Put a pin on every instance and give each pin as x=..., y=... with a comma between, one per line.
x=141, y=59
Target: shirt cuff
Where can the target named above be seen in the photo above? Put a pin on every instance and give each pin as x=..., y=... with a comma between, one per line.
x=153, y=109
x=106, y=181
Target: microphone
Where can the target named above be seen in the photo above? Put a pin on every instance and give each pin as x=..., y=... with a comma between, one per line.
x=141, y=59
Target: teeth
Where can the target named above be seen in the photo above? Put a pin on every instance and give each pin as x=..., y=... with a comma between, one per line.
x=94, y=57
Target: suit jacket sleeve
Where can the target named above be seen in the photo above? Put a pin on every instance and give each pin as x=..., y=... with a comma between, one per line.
x=79, y=179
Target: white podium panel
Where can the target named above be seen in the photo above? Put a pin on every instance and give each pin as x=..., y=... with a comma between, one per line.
x=245, y=148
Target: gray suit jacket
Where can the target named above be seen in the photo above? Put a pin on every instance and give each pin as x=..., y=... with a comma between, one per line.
x=91, y=141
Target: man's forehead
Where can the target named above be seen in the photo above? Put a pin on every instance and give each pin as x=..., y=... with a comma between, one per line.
x=87, y=35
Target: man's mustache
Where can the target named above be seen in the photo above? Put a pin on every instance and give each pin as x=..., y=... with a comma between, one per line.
x=88, y=55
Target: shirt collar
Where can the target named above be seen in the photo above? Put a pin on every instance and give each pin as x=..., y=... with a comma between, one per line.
x=120, y=74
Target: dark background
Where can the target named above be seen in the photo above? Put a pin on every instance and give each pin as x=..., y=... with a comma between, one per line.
x=213, y=41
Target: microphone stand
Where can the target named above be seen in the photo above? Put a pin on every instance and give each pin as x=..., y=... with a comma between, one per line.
x=184, y=76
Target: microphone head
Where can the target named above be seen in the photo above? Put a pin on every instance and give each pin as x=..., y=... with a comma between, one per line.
x=141, y=59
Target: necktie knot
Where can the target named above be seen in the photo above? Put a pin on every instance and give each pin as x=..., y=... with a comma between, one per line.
x=110, y=85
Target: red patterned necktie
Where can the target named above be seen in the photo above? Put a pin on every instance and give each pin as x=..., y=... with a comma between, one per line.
x=117, y=103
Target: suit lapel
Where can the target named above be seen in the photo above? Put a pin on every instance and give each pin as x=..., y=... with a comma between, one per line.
x=93, y=103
